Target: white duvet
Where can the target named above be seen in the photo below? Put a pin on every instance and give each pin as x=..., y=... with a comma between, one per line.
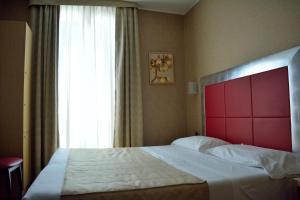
x=226, y=180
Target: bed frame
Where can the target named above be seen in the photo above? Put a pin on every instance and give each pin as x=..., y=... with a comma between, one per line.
x=257, y=103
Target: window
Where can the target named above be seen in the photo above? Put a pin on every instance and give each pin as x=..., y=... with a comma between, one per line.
x=86, y=76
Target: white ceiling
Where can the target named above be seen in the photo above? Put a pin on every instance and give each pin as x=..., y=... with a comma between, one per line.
x=169, y=6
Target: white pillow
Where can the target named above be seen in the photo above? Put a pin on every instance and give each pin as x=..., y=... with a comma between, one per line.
x=278, y=164
x=199, y=143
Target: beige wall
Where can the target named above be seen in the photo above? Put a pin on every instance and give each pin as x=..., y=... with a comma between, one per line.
x=14, y=94
x=163, y=105
x=222, y=34
x=217, y=35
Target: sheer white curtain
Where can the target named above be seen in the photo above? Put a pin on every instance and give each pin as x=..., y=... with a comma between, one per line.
x=86, y=76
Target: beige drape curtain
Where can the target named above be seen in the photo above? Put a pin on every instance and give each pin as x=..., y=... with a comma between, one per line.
x=113, y=3
x=44, y=25
x=128, y=108
x=128, y=112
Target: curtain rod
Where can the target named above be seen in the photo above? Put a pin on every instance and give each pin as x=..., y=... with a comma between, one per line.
x=114, y=3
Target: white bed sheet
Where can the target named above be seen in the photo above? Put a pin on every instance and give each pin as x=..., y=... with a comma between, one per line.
x=226, y=180
x=49, y=183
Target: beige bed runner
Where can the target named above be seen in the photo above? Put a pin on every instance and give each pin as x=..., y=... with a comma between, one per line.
x=127, y=173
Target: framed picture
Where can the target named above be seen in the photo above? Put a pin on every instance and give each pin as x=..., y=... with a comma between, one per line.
x=161, y=68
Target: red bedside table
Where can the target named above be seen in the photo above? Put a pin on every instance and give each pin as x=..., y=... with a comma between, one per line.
x=7, y=166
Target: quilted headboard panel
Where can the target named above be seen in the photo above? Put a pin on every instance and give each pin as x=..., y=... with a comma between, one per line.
x=252, y=110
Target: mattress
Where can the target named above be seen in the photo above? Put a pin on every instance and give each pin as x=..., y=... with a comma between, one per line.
x=226, y=180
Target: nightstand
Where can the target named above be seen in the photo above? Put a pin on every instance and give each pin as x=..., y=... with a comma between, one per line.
x=7, y=166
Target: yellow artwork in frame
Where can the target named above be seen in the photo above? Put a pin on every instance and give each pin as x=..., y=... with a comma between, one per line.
x=161, y=68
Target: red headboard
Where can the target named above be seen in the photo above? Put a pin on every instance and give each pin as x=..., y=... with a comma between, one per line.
x=251, y=110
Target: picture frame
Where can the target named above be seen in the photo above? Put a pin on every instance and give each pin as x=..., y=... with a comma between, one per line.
x=161, y=68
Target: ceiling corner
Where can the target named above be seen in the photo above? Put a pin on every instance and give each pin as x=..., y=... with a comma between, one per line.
x=191, y=6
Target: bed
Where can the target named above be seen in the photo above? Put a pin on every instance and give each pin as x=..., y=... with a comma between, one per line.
x=248, y=105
